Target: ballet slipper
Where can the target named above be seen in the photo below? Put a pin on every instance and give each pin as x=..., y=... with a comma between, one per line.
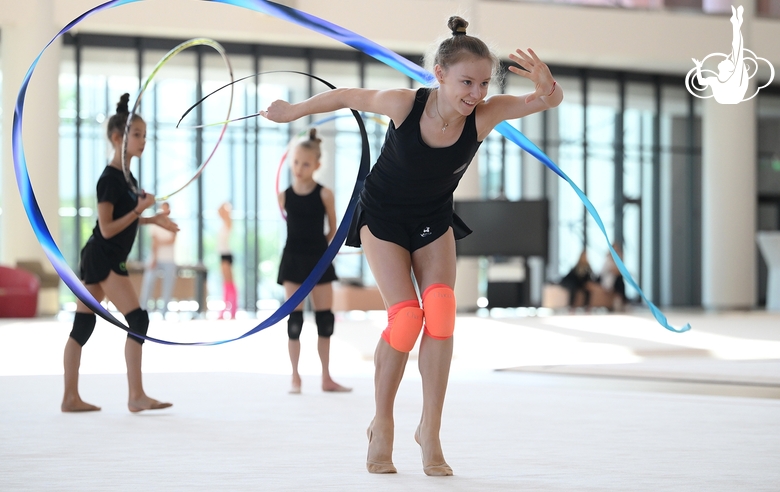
x=440, y=470
x=377, y=466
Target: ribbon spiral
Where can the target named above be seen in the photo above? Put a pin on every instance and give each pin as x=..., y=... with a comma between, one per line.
x=330, y=30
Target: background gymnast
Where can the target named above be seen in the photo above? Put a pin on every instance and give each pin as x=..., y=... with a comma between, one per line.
x=405, y=218
x=307, y=203
x=161, y=263
x=229, y=292
x=102, y=267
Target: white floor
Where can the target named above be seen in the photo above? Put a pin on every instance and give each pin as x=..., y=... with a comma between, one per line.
x=586, y=403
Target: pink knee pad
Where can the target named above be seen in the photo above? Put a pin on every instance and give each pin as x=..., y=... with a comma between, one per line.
x=439, y=307
x=404, y=322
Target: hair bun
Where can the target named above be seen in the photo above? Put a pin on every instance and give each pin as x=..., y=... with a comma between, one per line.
x=313, y=135
x=457, y=25
x=122, y=105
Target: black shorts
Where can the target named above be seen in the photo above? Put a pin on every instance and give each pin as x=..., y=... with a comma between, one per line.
x=96, y=263
x=227, y=257
x=411, y=235
x=295, y=267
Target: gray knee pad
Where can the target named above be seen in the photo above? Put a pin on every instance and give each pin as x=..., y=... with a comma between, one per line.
x=138, y=321
x=325, y=321
x=295, y=325
x=83, y=324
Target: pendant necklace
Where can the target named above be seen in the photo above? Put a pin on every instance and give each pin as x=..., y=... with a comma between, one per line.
x=436, y=105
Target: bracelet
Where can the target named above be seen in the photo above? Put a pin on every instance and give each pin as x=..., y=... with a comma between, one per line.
x=553, y=89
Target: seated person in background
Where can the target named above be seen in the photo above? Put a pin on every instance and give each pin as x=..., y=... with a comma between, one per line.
x=577, y=280
x=611, y=280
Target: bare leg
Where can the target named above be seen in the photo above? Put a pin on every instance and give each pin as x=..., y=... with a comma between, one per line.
x=120, y=291
x=328, y=384
x=390, y=365
x=294, y=347
x=71, y=400
x=138, y=400
x=322, y=299
x=435, y=263
x=391, y=266
x=434, y=363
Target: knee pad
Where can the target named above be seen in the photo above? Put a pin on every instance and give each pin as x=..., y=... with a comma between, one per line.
x=83, y=324
x=439, y=307
x=138, y=321
x=295, y=325
x=404, y=322
x=325, y=321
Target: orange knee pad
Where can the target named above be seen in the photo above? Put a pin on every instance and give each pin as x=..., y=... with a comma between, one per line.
x=439, y=307
x=404, y=322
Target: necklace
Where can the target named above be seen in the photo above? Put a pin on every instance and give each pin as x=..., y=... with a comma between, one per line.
x=436, y=105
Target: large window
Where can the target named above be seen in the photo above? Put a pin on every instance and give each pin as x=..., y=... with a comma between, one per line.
x=630, y=141
x=617, y=136
x=96, y=70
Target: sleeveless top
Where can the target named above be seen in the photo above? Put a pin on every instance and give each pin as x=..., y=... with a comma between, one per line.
x=305, y=222
x=412, y=181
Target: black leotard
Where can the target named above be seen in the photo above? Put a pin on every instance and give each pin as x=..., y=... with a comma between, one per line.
x=306, y=241
x=412, y=183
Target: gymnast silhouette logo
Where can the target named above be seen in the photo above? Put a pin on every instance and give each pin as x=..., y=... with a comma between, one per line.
x=735, y=70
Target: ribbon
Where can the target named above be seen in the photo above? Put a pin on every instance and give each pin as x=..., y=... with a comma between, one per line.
x=423, y=76
x=334, y=32
x=72, y=281
x=165, y=59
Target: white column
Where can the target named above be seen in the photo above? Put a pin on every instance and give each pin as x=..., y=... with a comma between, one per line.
x=729, y=198
x=533, y=189
x=22, y=39
x=467, y=280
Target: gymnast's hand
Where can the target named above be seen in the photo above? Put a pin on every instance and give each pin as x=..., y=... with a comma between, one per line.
x=161, y=219
x=280, y=112
x=145, y=200
x=533, y=69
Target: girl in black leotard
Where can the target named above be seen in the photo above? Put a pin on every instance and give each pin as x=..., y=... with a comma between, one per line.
x=405, y=220
x=307, y=203
x=103, y=270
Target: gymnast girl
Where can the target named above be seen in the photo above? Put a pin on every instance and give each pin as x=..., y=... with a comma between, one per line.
x=307, y=203
x=405, y=221
x=102, y=268
x=229, y=293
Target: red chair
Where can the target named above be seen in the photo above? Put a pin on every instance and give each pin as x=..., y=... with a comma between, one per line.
x=18, y=293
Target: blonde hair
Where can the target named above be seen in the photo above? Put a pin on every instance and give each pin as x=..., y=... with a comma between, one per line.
x=311, y=143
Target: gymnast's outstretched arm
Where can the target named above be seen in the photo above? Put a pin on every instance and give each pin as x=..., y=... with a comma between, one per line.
x=394, y=103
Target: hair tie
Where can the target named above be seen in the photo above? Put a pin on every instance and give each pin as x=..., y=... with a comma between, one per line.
x=461, y=31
